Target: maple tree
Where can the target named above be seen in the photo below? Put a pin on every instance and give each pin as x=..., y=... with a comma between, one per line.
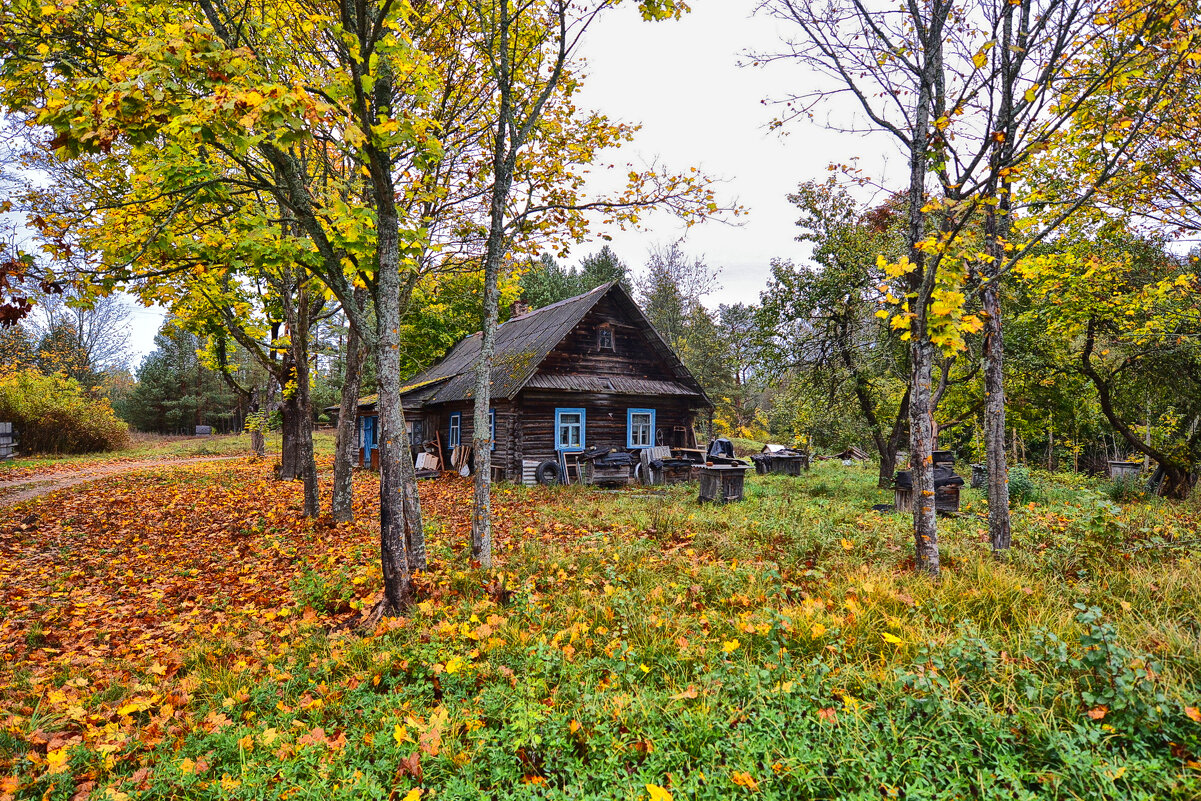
x=239, y=113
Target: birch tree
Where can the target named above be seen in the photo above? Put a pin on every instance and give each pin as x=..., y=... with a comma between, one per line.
x=970, y=92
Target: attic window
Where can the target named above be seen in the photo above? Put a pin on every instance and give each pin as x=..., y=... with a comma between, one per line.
x=604, y=337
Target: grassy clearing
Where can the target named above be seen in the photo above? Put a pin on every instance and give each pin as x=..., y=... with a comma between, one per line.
x=145, y=447
x=632, y=641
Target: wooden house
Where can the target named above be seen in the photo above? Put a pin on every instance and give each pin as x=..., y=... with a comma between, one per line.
x=589, y=371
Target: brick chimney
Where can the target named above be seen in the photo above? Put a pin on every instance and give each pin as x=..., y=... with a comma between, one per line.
x=518, y=309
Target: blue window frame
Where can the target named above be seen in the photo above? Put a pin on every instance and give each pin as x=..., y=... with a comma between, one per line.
x=569, y=429
x=640, y=428
x=456, y=430
x=492, y=428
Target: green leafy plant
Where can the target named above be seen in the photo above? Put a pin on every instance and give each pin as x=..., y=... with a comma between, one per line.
x=1126, y=489
x=1022, y=486
x=325, y=593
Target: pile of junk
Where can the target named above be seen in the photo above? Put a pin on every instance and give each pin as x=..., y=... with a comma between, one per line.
x=946, y=485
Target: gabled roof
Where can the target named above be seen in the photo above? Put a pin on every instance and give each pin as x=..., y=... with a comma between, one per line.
x=524, y=342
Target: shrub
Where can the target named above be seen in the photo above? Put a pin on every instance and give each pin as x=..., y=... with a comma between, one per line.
x=1126, y=489
x=52, y=414
x=1022, y=486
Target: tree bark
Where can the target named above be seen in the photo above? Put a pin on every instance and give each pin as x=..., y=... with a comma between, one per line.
x=1000, y=532
x=342, y=503
x=258, y=442
x=888, y=455
x=289, y=454
x=481, y=511
x=921, y=446
x=394, y=440
x=996, y=231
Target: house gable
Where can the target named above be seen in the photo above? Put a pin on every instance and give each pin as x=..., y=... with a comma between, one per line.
x=548, y=346
x=615, y=349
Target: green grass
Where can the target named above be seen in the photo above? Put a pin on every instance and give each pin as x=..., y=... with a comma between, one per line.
x=777, y=648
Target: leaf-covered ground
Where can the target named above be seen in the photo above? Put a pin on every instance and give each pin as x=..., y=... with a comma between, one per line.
x=184, y=633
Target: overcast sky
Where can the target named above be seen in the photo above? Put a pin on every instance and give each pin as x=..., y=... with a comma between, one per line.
x=682, y=81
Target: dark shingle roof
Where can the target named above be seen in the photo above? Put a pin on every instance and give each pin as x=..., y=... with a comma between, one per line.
x=524, y=342
x=521, y=345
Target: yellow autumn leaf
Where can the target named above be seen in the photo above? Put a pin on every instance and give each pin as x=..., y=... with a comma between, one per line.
x=818, y=630
x=1193, y=714
x=745, y=780
x=657, y=793
x=846, y=544
x=400, y=734
x=729, y=646
x=454, y=664
x=892, y=638
x=187, y=767
x=56, y=761
x=413, y=795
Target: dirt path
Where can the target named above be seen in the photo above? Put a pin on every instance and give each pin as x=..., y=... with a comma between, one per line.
x=24, y=489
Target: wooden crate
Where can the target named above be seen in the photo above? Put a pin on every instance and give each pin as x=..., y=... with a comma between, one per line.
x=788, y=465
x=1121, y=470
x=595, y=474
x=946, y=499
x=8, y=441
x=722, y=484
x=979, y=476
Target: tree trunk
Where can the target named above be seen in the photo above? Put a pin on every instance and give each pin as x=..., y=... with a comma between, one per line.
x=289, y=455
x=996, y=230
x=921, y=446
x=393, y=439
x=502, y=179
x=306, y=461
x=342, y=504
x=888, y=469
x=1000, y=533
x=481, y=512
x=921, y=283
x=258, y=442
x=888, y=454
